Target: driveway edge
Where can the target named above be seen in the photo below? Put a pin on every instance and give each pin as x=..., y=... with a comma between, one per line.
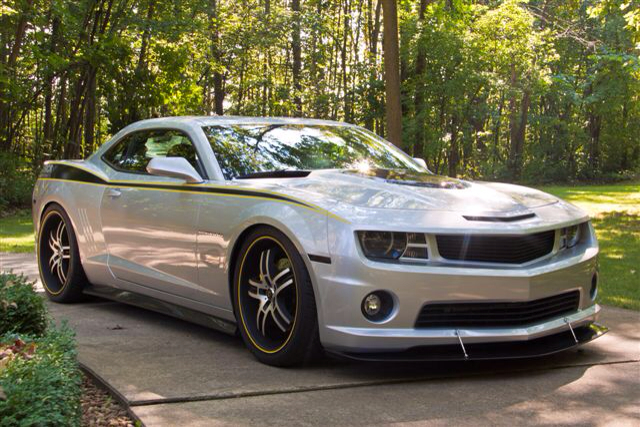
x=104, y=385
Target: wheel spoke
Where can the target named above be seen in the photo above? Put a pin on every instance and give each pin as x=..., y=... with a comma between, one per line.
x=258, y=285
x=256, y=295
x=53, y=243
x=282, y=312
x=283, y=286
x=52, y=260
x=55, y=264
x=263, y=310
x=275, y=318
x=265, y=273
x=280, y=275
x=60, y=272
x=61, y=230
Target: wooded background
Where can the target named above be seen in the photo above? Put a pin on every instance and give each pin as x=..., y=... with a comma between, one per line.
x=537, y=91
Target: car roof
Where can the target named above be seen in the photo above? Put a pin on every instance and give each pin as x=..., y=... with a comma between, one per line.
x=227, y=120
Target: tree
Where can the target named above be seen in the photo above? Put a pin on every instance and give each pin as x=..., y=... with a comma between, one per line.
x=392, y=71
x=537, y=90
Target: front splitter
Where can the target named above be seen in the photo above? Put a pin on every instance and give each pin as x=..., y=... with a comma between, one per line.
x=538, y=347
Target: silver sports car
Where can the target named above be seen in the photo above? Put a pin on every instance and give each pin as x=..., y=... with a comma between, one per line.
x=308, y=234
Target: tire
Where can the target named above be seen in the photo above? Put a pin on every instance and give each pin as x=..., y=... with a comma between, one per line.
x=61, y=271
x=273, y=300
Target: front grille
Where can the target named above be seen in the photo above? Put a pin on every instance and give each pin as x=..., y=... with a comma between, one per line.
x=500, y=249
x=496, y=314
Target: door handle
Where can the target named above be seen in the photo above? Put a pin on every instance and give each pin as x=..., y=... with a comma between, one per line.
x=114, y=193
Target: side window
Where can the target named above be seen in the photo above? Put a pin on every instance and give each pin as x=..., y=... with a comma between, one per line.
x=135, y=151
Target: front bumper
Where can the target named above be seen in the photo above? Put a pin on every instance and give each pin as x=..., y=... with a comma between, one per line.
x=341, y=286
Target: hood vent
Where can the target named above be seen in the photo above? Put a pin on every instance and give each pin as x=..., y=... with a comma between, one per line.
x=499, y=218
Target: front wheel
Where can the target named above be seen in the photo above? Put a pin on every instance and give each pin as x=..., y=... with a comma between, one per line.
x=58, y=257
x=274, y=301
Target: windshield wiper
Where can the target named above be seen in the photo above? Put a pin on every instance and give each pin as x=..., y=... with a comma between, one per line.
x=283, y=173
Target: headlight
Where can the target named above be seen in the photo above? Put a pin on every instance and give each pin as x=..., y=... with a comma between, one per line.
x=569, y=237
x=393, y=246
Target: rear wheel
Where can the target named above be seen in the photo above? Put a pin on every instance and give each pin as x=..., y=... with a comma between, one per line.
x=274, y=301
x=58, y=258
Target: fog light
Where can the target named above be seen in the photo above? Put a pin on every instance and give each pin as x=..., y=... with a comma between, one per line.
x=593, y=292
x=372, y=305
x=377, y=306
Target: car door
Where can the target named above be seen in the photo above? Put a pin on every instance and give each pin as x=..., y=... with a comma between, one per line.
x=149, y=222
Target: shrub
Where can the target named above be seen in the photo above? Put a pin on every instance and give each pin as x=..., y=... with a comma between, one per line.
x=22, y=311
x=42, y=388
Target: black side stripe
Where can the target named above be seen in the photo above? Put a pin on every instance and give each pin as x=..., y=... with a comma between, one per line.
x=320, y=258
x=71, y=173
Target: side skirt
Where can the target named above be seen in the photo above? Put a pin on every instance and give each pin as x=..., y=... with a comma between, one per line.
x=162, y=307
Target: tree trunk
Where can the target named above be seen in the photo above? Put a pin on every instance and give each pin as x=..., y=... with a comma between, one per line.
x=20, y=32
x=392, y=72
x=517, y=128
x=421, y=64
x=454, y=149
x=6, y=135
x=48, y=98
x=90, y=113
x=594, y=127
x=297, y=57
x=146, y=38
x=373, y=56
x=216, y=55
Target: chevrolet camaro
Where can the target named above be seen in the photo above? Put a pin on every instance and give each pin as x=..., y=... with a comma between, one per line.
x=303, y=235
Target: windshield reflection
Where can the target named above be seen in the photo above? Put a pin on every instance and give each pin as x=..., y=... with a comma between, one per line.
x=249, y=148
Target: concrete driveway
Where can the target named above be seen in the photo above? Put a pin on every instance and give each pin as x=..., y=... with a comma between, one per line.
x=174, y=373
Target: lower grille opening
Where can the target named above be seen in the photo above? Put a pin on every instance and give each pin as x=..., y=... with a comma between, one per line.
x=497, y=314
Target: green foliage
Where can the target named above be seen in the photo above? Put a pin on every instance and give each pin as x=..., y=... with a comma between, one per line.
x=38, y=370
x=16, y=182
x=43, y=388
x=22, y=311
x=510, y=89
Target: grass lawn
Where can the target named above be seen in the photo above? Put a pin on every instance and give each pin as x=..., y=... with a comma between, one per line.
x=616, y=215
x=16, y=233
x=615, y=210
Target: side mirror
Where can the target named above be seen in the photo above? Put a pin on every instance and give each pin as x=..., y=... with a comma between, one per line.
x=174, y=167
x=420, y=161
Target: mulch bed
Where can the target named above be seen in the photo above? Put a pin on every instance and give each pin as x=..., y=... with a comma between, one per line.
x=100, y=409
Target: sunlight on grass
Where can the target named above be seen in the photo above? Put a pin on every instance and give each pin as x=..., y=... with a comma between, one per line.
x=598, y=199
x=16, y=233
x=615, y=210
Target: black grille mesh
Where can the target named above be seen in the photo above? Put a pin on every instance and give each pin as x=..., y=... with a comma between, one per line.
x=500, y=249
x=496, y=314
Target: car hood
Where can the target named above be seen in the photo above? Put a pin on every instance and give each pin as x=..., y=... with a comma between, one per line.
x=383, y=189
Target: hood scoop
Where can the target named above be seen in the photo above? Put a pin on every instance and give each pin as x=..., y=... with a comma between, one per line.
x=513, y=218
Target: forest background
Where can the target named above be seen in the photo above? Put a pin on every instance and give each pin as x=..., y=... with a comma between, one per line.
x=531, y=91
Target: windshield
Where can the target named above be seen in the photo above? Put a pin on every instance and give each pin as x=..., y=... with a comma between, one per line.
x=250, y=148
